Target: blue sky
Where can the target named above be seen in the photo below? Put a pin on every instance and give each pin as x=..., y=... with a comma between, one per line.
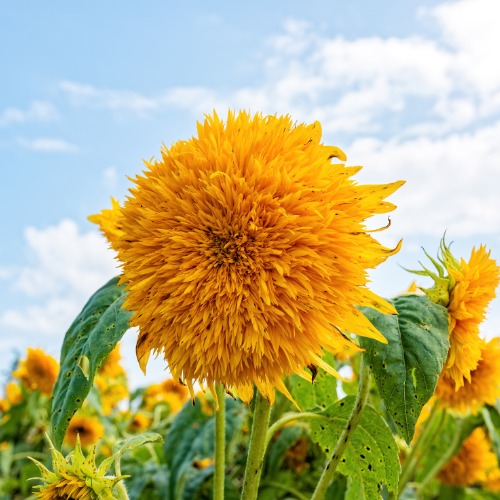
x=410, y=90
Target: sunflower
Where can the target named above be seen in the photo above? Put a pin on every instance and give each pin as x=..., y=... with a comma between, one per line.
x=76, y=477
x=466, y=292
x=295, y=456
x=86, y=429
x=472, y=463
x=38, y=371
x=483, y=387
x=111, y=368
x=108, y=221
x=139, y=423
x=244, y=250
x=13, y=396
x=492, y=482
x=170, y=392
x=112, y=392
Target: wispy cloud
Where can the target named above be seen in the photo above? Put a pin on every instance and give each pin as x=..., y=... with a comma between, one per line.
x=48, y=145
x=38, y=111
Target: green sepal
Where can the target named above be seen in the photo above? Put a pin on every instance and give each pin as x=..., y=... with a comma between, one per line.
x=47, y=476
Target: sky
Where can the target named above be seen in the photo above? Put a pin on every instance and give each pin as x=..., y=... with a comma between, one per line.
x=410, y=90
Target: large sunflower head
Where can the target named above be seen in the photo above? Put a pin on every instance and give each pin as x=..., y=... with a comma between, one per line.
x=472, y=463
x=76, y=477
x=84, y=429
x=245, y=250
x=483, y=387
x=466, y=290
x=38, y=371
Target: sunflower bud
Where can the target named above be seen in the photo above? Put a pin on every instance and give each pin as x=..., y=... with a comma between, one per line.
x=76, y=477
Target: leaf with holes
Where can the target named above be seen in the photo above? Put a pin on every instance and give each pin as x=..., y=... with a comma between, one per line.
x=318, y=395
x=371, y=456
x=89, y=340
x=407, y=368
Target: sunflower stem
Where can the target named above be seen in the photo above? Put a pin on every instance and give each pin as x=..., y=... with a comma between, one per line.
x=120, y=488
x=332, y=463
x=220, y=443
x=257, y=448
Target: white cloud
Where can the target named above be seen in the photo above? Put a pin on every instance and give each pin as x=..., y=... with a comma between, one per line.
x=67, y=267
x=38, y=111
x=48, y=145
x=110, y=176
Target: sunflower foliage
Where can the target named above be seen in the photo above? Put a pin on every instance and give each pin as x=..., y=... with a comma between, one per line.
x=244, y=256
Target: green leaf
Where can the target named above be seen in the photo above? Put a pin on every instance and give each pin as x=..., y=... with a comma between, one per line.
x=371, y=456
x=136, y=441
x=318, y=395
x=407, y=368
x=89, y=340
x=288, y=437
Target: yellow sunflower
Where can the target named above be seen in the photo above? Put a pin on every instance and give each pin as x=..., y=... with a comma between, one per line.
x=472, y=463
x=245, y=249
x=139, y=423
x=76, y=477
x=492, y=482
x=111, y=368
x=13, y=396
x=112, y=392
x=483, y=387
x=38, y=371
x=87, y=429
x=170, y=392
x=466, y=292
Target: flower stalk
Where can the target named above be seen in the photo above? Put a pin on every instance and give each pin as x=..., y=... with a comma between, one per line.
x=331, y=465
x=257, y=448
x=220, y=443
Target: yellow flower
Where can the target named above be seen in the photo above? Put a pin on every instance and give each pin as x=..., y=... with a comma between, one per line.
x=112, y=392
x=492, y=482
x=111, y=368
x=139, y=423
x=244, y=249
x=466, y=292
x=206, y=406
x=484, y=385
x=38, y=371
x=86, y=429
x=13, y=396
x=108, y=221
x=472, y=463
x=170, y=392
x=203, y=464
x=76, y=477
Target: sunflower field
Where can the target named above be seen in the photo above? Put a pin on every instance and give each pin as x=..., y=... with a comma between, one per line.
x=244, y=256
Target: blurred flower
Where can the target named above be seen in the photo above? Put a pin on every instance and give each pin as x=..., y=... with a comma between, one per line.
x=139, y=423
x=108, y=221
x=242, y=247
x=13, y=396
x=206, y=406
x=472, y=463
x=295, y=456
x=106, y=450
x=112, y=392
x=111, y=368
x=87, y=429
x=170, y=392
x=76, y=478
x=484, y=385
x=38, y=371
x=492, y=482
x=203, y=464
x=466, y=292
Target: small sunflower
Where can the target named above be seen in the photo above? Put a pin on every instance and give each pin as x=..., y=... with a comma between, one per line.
x=245, y=249
x=76, y=477
x=466, y=292
x=111, y=368
x=483, y=387
x=472, y=463
x=38, y=371
x=84, y=429
x=112, y=392
x=169, y=391
x=13, y=396
x=139, y=423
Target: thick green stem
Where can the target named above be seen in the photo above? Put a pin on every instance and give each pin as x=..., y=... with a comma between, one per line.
x=220, y=444
x=415, y=454
x=331, y=465
x=450, y=452
x=120, y=488
x=257, y=448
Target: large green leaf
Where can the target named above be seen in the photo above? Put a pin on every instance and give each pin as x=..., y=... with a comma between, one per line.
x=318, y=395
x=371, y=456
x=407, y=368
x=89, y=340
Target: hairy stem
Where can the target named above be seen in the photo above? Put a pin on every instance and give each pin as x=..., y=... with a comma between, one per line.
x=120, y=487
x=331, y=465
x=220, y=444
x=257, y=448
